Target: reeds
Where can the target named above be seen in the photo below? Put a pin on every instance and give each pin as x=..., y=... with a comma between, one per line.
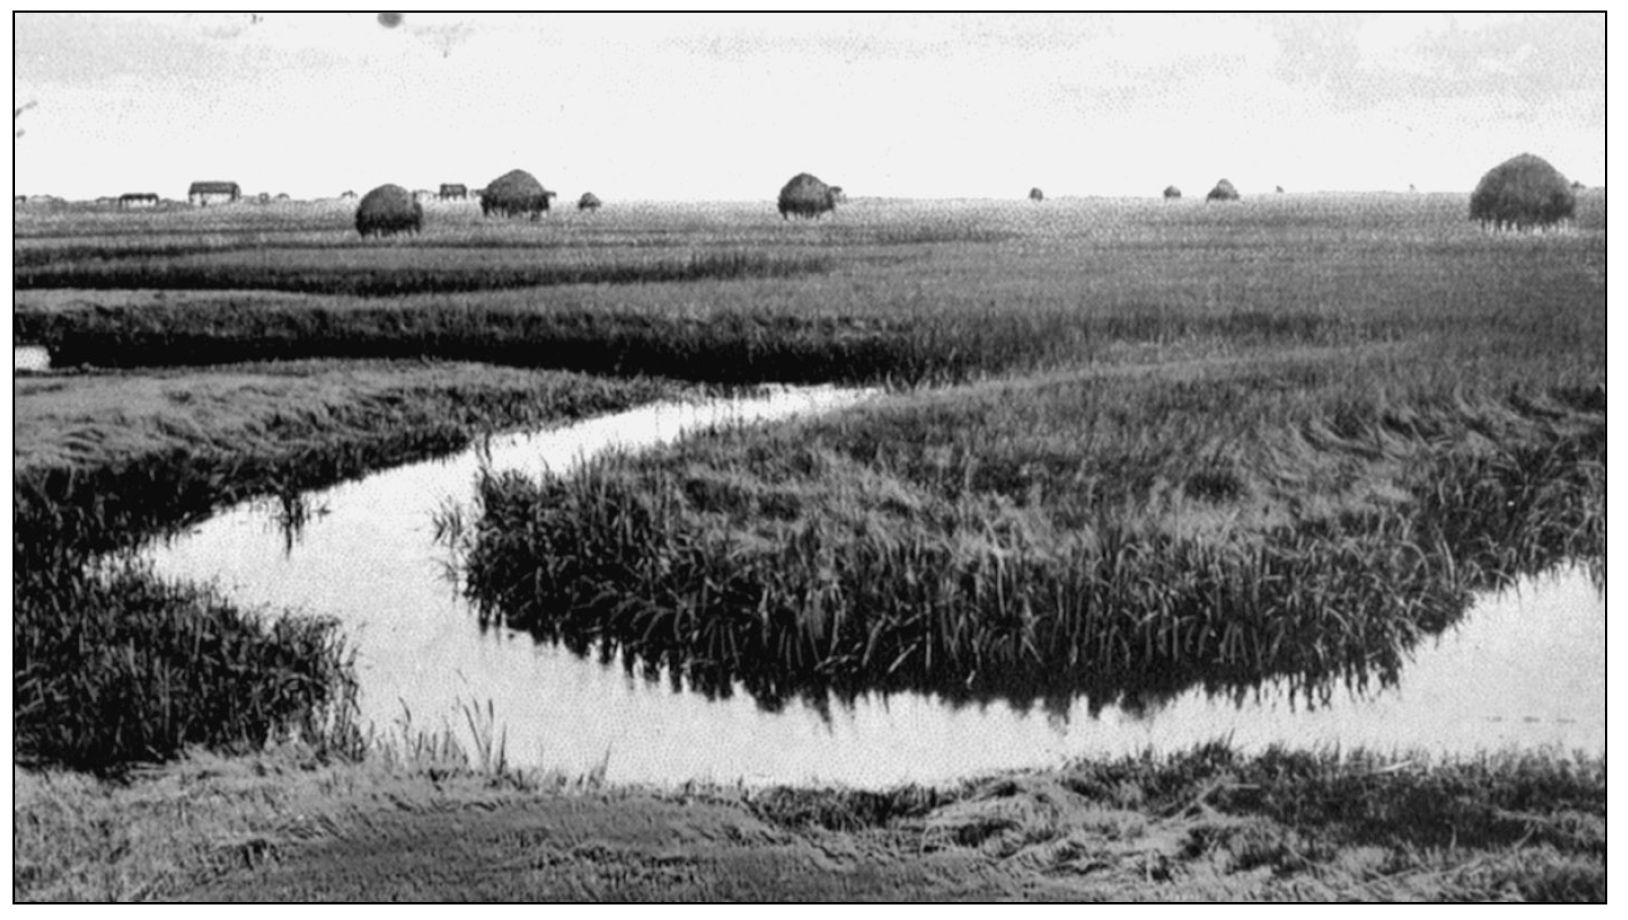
x=115, y=666
x=798, y=571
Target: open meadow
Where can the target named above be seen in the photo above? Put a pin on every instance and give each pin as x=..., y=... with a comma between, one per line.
x=1123, y=448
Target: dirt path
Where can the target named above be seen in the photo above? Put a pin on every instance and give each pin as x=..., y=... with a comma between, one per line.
x=592, y=848
x=270, y=828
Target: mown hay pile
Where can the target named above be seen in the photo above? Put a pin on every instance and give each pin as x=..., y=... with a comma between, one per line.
x=1521, y=193
x=388, y=210
x=806, y=196
x=1035, y=194
x=513, y=193
x=588, y=202
x=1170, y=191
x=1223, y=191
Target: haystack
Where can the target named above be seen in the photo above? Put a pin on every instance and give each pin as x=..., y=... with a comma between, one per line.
x=588, y=202
x=388, y=210
x=1170, y=191
x=1223, y=191
x=1035, y=194
x=806, y=196
x=1522, y=192
x=515, y=192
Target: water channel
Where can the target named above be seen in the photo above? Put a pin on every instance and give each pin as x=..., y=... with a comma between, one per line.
x=30, y=358
x=1524, y=668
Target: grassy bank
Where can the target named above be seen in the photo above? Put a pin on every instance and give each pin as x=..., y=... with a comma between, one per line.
x=113, y=666
x=1209, y=824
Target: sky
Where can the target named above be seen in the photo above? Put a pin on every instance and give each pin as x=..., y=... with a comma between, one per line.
x=690, y=107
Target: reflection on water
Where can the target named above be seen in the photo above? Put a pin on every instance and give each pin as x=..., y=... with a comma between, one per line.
x=30, y=358
x=1525, y=667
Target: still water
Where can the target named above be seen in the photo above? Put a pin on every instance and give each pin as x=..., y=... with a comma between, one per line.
x=1523, y=668
x=30, y=358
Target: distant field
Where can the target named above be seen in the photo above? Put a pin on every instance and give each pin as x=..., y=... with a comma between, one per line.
x=1132, y=444
x=880, y=291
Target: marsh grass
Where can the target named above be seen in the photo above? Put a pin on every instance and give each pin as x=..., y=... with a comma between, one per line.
x=905, y=295
x=335, y=277
x=115, y=666
x=1065, y=545
x=112, y=667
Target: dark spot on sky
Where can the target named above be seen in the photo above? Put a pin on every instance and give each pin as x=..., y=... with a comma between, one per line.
x=389, y=20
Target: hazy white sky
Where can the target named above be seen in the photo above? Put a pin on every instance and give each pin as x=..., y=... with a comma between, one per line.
x=729, y=106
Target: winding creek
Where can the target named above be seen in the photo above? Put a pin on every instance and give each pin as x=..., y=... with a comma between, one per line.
x=1525, y=667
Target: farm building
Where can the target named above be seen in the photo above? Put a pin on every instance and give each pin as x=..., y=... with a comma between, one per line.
x=138, y=200
x=454, y=191
x=204, y=194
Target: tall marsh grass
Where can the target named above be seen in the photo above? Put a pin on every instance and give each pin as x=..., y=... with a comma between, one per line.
x=908, y=546
x=93, y=270
x=114, y=665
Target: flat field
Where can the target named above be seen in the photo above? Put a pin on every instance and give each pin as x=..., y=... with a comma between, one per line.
x=1128, y=446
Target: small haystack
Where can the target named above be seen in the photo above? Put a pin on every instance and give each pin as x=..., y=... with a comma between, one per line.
x=1522, y=193
x=1223, y=191
x=588, y=202
x=806, y=196
x=1171, y=192
x=513, y=193
x=1035, y=194
x=388, y=210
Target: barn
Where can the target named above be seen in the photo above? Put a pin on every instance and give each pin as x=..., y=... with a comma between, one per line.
x=138, y=200
x=452, y=190
x=204, y=194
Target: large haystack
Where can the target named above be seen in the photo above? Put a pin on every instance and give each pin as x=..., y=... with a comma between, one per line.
x=1035, y=194
x=588, y=202
x=1170, y=192
x=806, y=196
x=1223, y=191
x=513, y=193
x=1522, y=192
x=388, y=210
